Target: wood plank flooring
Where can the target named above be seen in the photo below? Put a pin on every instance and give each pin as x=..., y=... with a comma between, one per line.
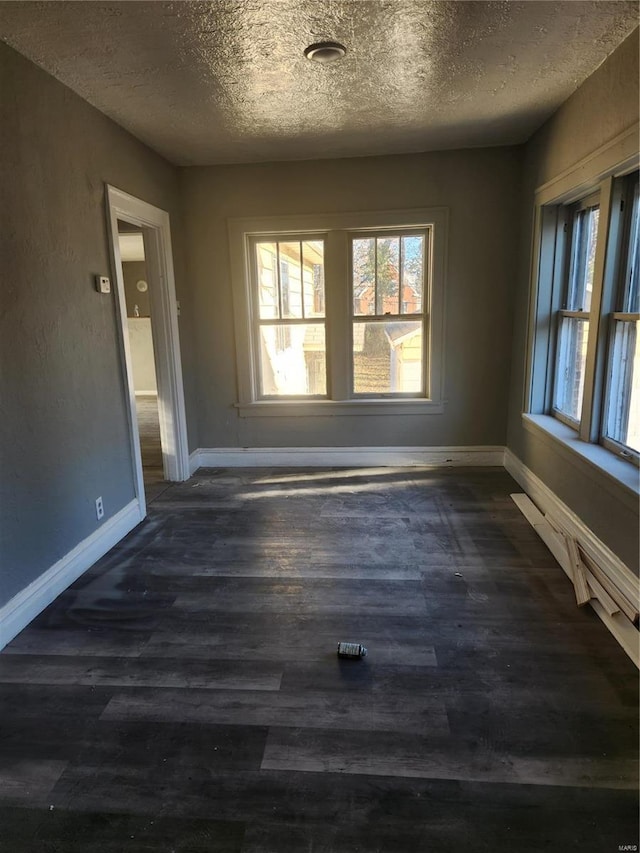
x=185, y=694
x=150, y=446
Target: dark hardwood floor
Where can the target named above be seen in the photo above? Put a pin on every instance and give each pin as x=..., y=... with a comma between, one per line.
x=185, y=694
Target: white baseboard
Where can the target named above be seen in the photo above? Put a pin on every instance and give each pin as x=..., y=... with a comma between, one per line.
x=29, y=602
x=272, y=457
x=549, y=503
x=151, y=393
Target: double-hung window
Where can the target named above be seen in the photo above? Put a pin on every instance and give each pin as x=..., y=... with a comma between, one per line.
x=573, y=317
x=585, y=357
x=339, y=314
x=289, y=323
x=388, y=322
x=621, y=421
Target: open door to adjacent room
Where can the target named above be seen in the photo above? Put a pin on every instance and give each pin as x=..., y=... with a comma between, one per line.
x=148, y=318
x=141, y=345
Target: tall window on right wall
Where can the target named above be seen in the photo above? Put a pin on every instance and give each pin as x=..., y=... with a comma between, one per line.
x=590, y=279
x=573, y=317
x=621, y=423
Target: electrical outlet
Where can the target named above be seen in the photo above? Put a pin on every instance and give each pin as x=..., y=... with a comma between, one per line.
x=99, y=508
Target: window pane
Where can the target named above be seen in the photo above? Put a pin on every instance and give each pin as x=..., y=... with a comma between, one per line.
x=313, y=273
x=412, y=274
x=622, y=421
x=632, y=273
x=583, y=253
x=266, y=260
x=293, y=359
x=364, y=276
x=571, y=357
x=387, y=275
x=290, y=280
x=387, y=357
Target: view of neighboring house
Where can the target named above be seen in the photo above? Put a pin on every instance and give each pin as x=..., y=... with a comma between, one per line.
x=388, y=280
x=290, y=277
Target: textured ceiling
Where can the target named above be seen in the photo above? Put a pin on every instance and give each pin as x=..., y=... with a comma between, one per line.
x=227, y=82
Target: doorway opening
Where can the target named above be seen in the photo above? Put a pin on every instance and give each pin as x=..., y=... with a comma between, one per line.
x=148, y=318
x=145, y=383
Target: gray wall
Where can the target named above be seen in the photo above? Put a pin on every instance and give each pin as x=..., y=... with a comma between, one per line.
x=63, y=425
x=602, y=108
x=481, y=189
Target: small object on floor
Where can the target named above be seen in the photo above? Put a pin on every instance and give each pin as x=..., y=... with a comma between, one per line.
x=351, y=650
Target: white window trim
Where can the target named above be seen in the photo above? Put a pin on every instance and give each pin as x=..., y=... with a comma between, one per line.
x=254, y=313
x=615, y=159
x=337, y=229
x=583, y=425
x=423, y=317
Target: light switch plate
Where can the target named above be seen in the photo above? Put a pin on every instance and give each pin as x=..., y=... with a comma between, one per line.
x=103, y=285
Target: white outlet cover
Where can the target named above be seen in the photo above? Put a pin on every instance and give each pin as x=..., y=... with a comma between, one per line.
x=103, y=284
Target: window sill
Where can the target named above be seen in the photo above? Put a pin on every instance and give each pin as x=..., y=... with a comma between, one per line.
x=615, y=471
x=335, y=408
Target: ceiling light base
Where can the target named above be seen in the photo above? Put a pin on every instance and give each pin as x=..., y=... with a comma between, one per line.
x=325, y=52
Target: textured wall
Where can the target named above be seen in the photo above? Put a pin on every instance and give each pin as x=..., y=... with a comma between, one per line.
x=63, y=425
x=604, y=106
x=480, y=187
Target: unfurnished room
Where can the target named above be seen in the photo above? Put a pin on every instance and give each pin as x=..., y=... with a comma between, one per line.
x=320, y=426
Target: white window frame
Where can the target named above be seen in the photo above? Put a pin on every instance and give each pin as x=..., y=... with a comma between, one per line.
x=336, y=230
x=602, y=172
x=562, y=274
x=422, y=317
x=618, y=311
x=257, y=321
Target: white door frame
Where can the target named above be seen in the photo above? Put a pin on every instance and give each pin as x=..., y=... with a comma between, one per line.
x=164, y=325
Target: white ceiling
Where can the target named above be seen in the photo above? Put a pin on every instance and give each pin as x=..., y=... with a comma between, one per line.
x=227, y=82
